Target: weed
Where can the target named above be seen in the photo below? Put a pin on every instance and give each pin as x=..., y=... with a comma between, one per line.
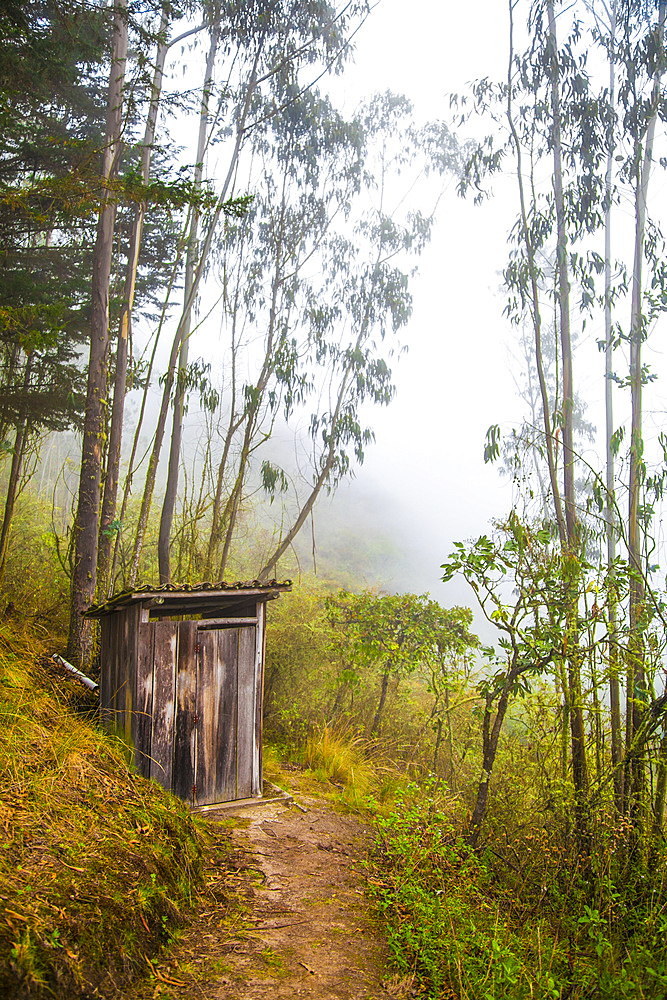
x=274, y=963
x=457, y=923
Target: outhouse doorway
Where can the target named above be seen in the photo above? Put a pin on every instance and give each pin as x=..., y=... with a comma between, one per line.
x=182, y=681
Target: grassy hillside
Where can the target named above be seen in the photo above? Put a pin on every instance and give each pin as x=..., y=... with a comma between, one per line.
x=96, y=863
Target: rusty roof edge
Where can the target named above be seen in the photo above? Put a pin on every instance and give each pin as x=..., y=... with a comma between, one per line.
x=173, y=591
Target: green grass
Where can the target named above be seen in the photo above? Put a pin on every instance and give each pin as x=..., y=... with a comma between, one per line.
x=97, y=865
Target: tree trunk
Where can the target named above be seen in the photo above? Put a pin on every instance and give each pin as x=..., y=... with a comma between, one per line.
x=251, y=413
x=105, y=584
x=86, y=525
x=171, y=489
x=377, y=720
x=610, y=508
x=535, y=302
x=571, y=550
x=18, y=451
x=490, y=737
x=660, y=792
x=334, y=431
x=636, y=690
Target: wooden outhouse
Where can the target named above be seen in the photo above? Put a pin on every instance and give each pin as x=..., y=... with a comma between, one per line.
x=182, y=676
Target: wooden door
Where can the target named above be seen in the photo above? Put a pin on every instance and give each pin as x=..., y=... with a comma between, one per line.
x=226, y=748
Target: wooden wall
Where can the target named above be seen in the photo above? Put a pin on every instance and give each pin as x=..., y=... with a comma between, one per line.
x=188, y=696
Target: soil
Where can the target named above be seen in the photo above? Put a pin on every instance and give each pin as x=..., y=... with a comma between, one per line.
x=296, y=922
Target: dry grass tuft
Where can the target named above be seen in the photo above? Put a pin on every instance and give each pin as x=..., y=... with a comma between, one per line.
x=338, y=756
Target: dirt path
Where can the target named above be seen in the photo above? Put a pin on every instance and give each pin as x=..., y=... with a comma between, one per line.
x=304, y=929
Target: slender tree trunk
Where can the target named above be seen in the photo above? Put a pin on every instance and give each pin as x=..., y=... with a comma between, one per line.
x=122, y=352
x=438, y=743
x=610, y=508
x=320, y=482
x=490, y=738
x=131, y=465
x=636, y=689
x=18, y=451
x=535, y=300
x=234, y=422
x=377, y=719
x=660, y=792
x=334, y=435
x=171, y=490
x=250, y=416
x=571, y=549
x=450, y=743
x=86, y=525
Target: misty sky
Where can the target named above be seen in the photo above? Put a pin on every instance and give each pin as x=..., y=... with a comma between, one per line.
x=426, y=474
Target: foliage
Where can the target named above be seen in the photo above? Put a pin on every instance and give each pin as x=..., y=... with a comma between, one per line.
x=300, y=674
x=465, y=928
x=393, y=635
x=35, y=586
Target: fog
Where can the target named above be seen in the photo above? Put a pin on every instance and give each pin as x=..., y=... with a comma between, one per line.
x=425, y=478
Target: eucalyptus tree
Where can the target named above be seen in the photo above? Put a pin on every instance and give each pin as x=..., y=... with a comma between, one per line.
x=553, y=112
x=268, y=47
x=171, y=487
x=642, y=111
x=537, y=81
x=310, y=168
x=108, y=507
x=364, y=296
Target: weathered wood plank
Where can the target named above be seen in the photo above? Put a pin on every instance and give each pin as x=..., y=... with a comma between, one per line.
x=113, y=671
x=207, y=713
x=245, y=739
x=132, y=647
x=164, y=677
x=144, y=699
x=185, y=730
x=124, y=719
x=226, y=749
x=260, y=648
x=207, y=623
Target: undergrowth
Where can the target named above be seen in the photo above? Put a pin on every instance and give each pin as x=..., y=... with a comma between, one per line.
x=355, y=773
x=97, y=865
x=462, y=929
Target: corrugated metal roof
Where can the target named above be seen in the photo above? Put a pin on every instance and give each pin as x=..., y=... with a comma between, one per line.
x=200, y=593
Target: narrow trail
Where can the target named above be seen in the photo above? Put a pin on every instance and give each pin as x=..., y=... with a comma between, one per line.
x=304, y=928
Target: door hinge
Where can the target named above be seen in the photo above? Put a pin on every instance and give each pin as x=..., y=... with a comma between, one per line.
x=195, y=718
x=194, y=791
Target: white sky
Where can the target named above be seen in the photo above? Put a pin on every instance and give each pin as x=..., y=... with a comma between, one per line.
x=454, y=382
